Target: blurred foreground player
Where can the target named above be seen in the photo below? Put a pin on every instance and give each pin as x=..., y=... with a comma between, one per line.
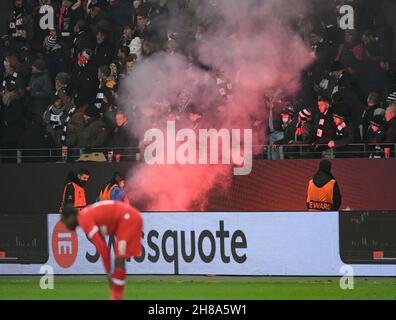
x=110, y=218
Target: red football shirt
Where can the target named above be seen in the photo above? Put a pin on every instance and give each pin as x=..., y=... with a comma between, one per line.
x=102, y=216
x=102, y=219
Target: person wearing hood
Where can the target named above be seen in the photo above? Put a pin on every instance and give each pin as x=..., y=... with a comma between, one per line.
x=323, y=191
x=40, y=89
x=54, y=119
x=74, y=192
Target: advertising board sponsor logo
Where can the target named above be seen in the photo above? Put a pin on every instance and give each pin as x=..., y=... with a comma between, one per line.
x=64, y=245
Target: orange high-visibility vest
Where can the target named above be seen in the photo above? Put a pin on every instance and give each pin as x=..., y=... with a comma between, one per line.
x=105, y=194
x=320, y=199
x=79, y=197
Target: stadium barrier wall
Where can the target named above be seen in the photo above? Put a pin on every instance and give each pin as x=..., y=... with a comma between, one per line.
x=251, y=244
x=366, y=184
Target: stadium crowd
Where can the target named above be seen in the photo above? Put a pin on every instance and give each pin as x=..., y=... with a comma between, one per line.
x=59, y=87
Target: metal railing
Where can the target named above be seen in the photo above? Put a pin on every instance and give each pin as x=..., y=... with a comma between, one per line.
x=268, y=152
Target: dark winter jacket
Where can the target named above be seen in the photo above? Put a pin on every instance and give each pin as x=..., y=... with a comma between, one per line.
x=92, y=135
x=390, y=136
x=57, y=61
x=367, y=116
x=103, y=54
x=344, y=135
x=40, y=94
x=375, y=139
x=85, y=84
x=13, y=123
x=122, y=137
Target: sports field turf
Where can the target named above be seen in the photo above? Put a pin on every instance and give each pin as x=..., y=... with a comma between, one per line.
x=198, y=288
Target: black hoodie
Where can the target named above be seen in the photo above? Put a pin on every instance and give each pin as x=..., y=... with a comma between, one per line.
x=320, y=179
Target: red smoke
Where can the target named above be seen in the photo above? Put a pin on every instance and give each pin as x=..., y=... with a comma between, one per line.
x=251, y=43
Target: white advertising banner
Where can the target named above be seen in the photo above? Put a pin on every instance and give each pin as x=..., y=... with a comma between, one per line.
x=278, y=244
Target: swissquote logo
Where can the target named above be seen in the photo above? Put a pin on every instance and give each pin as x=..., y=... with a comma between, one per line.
x=64, y=245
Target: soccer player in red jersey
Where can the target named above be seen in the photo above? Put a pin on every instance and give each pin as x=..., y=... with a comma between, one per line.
x=109, y=218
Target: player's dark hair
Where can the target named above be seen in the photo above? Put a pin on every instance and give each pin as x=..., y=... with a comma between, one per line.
x=69, y=211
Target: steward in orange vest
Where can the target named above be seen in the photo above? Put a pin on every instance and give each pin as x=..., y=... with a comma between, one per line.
x=74, y=192
x=323, y=191
x=114, y=189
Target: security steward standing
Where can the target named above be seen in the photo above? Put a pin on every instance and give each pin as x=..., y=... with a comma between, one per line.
x=323, y=191
x=74, y=192
x=114, y=189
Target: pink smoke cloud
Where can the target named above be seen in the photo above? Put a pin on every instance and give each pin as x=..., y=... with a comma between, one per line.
x=251, y=44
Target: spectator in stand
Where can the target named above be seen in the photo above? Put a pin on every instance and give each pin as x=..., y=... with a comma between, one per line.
x=81, y=38
x=94, y=133
x=13, y=75
x=84, y=79
x=120, y=11
x=103, y=53
x=350, y=53
x=63, y=88
x=136, y=48
x=122, y=53
x=371, y=47
x=373, y=103
x=122, y=133
x=375, y=137
x=391, y=98
x=122, y=136
x=128, y=65
x=56, y=56
x=128, y=34
x=304, y=131
x=12, y=109
x=105, y=100
x=386, y=79
x=26, y=58
x=141, y=26
x=23, y=39
x=40, y=90
x=54, y=120
x=300, y=131
x=99, y=17
x=344, y=134
x=390, y=135
x=70, y=12
x=281, y=128
x=143, y=6
x=325, y=127
x=17, y=20
x=341, y=85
